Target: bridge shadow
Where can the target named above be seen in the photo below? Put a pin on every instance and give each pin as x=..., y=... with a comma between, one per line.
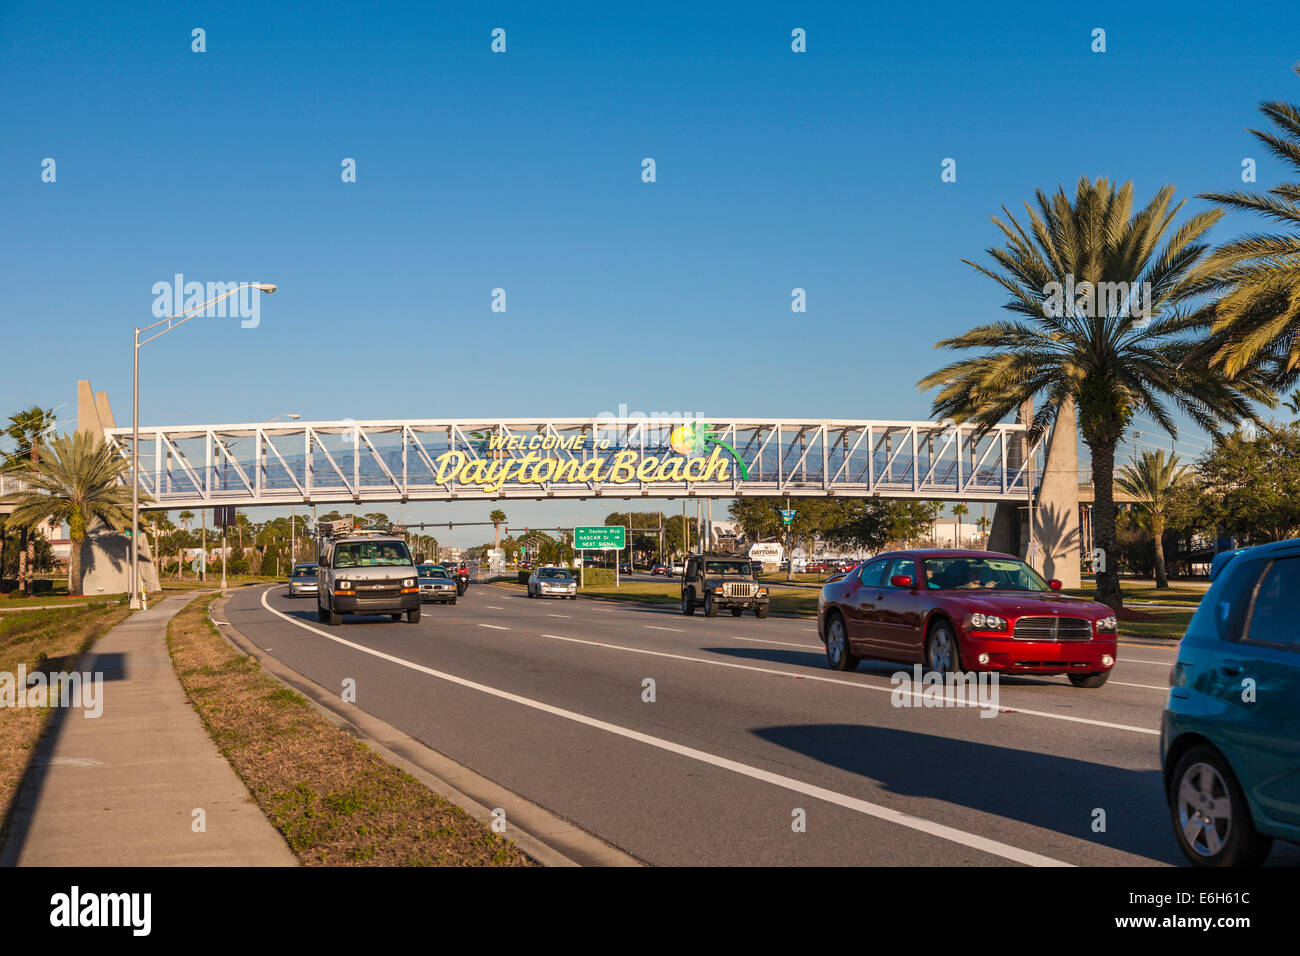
x=1048, y=791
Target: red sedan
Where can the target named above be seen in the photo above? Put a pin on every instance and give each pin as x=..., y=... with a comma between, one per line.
x=964, y=610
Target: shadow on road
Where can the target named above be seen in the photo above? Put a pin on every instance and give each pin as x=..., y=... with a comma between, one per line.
x=1050, y=791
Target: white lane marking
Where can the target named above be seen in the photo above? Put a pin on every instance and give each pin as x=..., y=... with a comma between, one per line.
x=557, y=615
x=493, y=607
x=1134, y=660
x=1120, y=683
x=677, y=629
x=889, y=815
x=847, y=683
x=759, y=640
x=495, y=627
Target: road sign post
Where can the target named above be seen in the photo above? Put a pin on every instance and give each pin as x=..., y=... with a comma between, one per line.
x=599, y=538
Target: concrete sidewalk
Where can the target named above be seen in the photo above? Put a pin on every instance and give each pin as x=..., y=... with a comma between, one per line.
x=121, y=789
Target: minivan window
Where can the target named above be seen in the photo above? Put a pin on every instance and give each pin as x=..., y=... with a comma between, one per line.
x=1272, y=617
x=1233, y=601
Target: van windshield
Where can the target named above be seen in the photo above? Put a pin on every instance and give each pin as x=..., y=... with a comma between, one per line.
x=371, y=554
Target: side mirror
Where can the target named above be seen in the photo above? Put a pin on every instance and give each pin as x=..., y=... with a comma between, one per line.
x=901, y=581
x=1054, y=584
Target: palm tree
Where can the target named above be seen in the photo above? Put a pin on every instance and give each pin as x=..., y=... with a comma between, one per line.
x=1256, y=319
x=496, y=517
x=28, y=428
x=1150, y=480
x=77, y=480
x=1105, y=354
x=959, y=511
x=186, y=517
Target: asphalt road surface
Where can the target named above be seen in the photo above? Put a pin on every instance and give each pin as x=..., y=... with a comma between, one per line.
x=748, y=734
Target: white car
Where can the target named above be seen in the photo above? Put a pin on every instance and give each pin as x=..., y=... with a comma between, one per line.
x=678, y=568
x=553, y=582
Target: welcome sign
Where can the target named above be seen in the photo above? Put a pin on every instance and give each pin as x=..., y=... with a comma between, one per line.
x=697, y=456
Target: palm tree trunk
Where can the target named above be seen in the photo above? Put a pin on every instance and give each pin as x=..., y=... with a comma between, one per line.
x=1158, y=529
x=22, y=560
x=1103, y=508
x=74, y=564
x=31, y=562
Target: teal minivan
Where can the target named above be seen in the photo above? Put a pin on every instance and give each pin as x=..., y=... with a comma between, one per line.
x=1230, y=736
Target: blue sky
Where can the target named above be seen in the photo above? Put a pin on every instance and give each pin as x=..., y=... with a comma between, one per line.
x=522, y=171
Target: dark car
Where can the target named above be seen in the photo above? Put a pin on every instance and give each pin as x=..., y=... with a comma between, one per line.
x=437, y=584
x=625, y=568
x=1230, y=734
x=955, y=610
x=717, y=581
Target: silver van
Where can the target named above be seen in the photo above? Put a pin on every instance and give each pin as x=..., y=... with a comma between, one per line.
x=367, y=574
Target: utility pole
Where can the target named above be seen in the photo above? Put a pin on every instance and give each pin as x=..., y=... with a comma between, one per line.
x=203, y=558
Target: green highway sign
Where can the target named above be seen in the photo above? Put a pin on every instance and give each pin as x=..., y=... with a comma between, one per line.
x=603, y=538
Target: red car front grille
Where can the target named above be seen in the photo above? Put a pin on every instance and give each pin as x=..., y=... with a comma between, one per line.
x=1053, y=629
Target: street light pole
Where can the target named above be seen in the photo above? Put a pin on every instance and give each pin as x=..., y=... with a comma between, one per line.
x=171, y=323
x=135, y=474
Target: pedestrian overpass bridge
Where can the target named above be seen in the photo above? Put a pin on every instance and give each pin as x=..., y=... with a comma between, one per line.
x=346, y=461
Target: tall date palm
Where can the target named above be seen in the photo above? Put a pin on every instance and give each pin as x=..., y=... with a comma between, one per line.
x=1256, y=318
x=1097, y=291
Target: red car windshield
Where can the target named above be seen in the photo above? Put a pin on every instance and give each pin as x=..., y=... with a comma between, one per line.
x=961, y=573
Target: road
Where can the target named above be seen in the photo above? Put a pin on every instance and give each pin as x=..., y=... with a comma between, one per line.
x=747, y=728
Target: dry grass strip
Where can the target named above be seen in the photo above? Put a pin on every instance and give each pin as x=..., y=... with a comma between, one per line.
x=336, y=801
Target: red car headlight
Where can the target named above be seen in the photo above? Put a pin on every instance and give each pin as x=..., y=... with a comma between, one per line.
x=979, y=621
x=1107, y=625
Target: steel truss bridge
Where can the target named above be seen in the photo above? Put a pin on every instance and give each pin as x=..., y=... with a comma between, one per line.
x=283, y=463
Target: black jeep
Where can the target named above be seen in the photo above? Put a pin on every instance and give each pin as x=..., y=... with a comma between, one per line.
x=721, y=580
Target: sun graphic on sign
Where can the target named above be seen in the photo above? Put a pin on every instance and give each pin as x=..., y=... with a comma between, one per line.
x=695, y=438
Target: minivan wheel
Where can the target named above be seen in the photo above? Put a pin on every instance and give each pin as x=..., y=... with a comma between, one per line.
x=412, y=616
x=1089, y=680
x=322, y=615
x=837, y=645
x=332, y=617
x=941, y=654
x=1209, y=813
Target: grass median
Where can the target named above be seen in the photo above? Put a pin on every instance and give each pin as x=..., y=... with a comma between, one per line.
x=782, y=600
x=336, y=801
x=49, y=641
